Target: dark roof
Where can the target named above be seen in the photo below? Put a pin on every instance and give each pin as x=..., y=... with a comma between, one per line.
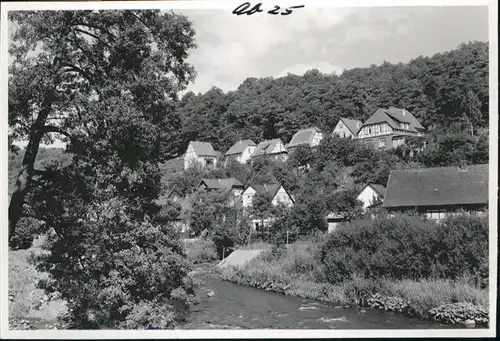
x=265, y=147
x=172, y=192
x=437, y=186
x=223, y=184
x=379, y=189
x=240, y=146
x=353, y=125
x=394, y=116
x=203, y=148
x=267, y=189
x=303, y=136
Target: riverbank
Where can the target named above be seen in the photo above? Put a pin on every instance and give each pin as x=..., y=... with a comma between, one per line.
x=296, y=273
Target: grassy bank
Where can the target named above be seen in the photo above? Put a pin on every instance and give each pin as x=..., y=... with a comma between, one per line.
x=296, y=271
x=26, y=301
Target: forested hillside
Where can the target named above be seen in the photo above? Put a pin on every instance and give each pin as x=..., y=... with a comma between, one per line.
x=448, y=92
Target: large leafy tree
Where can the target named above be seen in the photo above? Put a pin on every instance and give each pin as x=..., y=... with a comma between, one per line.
x=107, y=81
x=81, y=58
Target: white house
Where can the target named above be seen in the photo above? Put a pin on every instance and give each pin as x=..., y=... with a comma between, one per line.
x=370, y=194
x=333, y=219
x=275, y=192
x=310, y=136
x=241, y=151
x=347, y=127
x=271, y=148
x=201, y=154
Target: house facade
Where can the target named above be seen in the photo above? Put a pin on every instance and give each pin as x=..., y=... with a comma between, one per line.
x=241, y=151
x=305, y=137
x=233, y=187
x=200, y=154
x=370, y=195
x=276, y=193
x=274, y=149
x=388, y=128
x=347, y=128
x=438, y=192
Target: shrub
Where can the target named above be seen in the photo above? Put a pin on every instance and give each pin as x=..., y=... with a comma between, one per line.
x=201, y=251
x=406, y=247
x=26, y=229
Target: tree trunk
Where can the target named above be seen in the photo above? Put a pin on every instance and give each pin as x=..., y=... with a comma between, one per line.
x=24, y=178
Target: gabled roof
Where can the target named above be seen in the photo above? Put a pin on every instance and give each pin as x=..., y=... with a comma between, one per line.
x=303, y=136
x=222, y=184
x=394, y=116
x=203, y=148
x=270, y=190
x=240, y=146
x=266, y=147
x=353, y=125
x=380, y=189
x=437, y=186
x=173, y=192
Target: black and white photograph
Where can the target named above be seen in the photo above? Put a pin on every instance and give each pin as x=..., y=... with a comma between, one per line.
x=211, y=169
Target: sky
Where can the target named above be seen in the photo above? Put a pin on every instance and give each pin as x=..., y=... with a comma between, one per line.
x=232, y=48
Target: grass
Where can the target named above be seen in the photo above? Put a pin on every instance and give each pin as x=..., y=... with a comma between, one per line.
x=23, y=279
x=296, y=271
x=200, y=251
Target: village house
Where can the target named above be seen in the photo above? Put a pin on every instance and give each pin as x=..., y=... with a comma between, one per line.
x=200, y=154
x=305, y=137
x=371, y=195
x=181, y=222
x=274, y=149
x=241, y=151
x=333, y=220
x=275, y=192
x=388, y=128
x=174, y=195
x=229, y=184
x=438, y=192
x=347, y=128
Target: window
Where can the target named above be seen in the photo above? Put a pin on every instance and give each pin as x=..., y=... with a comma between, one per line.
x=381, y=143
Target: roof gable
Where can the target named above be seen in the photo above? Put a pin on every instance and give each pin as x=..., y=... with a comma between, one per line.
x=266, y=147
x=303, y=136
x=353, y=125
x=394, y=116
x=379, y=189
x=203, y=148
x=437, y=186
x=222, y=184
x=240, y=146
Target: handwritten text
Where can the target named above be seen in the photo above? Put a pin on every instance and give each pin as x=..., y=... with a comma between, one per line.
x=249, y=9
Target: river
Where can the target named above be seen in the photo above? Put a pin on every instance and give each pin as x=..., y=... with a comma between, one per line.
x=235, y=306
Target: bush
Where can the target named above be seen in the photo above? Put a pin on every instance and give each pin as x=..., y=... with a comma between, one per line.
x=201, y=251
x=405, y=247
x=26, y=229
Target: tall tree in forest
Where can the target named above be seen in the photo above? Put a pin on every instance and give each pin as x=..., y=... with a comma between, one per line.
x=83, y=57
x=471, y=110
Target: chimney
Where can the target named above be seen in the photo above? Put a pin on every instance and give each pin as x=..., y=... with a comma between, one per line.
x=404, y=112
x=358, y=124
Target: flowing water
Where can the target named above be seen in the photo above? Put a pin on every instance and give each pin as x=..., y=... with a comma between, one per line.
x=235, y=306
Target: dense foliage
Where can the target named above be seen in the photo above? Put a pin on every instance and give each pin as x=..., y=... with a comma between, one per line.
x=447, y=92
x=405, y=247
x=114, y=256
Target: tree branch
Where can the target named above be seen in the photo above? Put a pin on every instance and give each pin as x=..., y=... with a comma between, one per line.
x=92, y=35
x=54, y=129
